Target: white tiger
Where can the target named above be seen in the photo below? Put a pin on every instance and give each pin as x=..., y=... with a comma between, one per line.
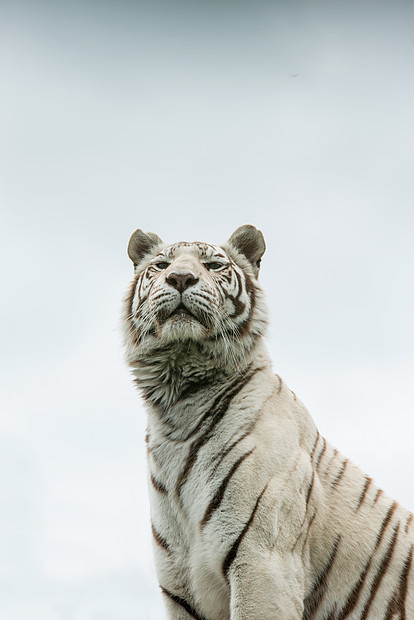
x=255, y=516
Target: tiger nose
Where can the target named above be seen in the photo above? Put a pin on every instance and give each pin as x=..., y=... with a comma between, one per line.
x=181, y=281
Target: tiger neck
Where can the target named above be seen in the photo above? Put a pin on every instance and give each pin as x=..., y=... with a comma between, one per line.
x=170, y=375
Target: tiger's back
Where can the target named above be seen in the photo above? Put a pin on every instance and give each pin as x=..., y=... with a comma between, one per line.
x=254, y=514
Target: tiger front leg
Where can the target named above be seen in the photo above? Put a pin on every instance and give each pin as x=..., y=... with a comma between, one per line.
x=271, y=588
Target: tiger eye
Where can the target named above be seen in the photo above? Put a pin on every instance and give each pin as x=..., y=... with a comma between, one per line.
x=213, y=266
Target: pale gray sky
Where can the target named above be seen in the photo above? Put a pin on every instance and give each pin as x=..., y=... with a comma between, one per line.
x=190, y=118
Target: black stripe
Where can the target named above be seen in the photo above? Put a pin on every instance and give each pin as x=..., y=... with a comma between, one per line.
x=192, y=389
x=160, y=540
x=244, y=327
x=314, y=445
x=311, y=520
x=340, y=473
x=208, y=414
x=230, y=447
x=250, y=427
x=218, y=497
x=403, y=587
x=322, y=452
x=381, y=572
x=216, y=416
x=131, y=295
x=331, y=460
x=398, y=600
x=367, y=484
x=239, y=306
x=231, y=555
x=409, y=520
x=308, y=494
x=134, y=331
x=386, y=521
x=393, y=608
x=379, y=493
x=158, y=485
x=355, y=594
x=152, y=452
x=314, y=598
x=183, y=603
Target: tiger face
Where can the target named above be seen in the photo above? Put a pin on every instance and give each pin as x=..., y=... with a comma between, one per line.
x=195, y=291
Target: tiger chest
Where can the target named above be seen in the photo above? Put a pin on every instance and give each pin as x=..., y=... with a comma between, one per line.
x=190, y=545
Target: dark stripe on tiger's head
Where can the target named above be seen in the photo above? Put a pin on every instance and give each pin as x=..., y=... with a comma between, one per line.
x=133, y=330
x=244, y=327
x=239, y=306
x=131, y=294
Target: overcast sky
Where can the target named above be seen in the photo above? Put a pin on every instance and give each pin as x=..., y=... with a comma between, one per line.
x=190, y=118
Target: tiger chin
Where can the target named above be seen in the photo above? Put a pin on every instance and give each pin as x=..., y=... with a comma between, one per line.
x=255, y=516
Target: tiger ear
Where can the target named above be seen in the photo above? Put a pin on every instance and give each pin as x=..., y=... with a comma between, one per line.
x=250, y=242
x=141, y=244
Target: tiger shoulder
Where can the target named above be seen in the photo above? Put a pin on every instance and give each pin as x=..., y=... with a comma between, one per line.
x=254, y=514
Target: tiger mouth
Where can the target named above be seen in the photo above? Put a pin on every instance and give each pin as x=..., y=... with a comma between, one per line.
x=183, y=311
x=182, y=315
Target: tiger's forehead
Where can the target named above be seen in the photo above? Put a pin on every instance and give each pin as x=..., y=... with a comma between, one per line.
x=198, y=249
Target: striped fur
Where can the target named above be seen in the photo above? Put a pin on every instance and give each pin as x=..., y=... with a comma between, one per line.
x=254, y=514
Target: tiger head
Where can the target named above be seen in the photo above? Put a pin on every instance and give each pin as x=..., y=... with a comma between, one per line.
x=194, y=292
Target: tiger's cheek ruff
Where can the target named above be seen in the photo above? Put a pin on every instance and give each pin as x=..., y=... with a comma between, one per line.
x=237, y=299
x=140, y=316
